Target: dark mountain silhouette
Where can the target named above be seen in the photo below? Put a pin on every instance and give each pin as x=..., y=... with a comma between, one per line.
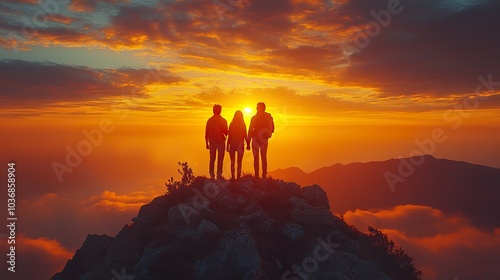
x=451, y=186
x=248, y=229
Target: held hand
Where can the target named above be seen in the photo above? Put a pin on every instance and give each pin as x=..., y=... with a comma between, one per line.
x=248, y=147
x=208, y=146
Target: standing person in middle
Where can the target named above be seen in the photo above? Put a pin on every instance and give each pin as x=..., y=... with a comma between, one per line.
x=236, y=141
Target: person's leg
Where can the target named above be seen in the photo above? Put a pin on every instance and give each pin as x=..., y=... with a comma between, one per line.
x=231, y=156
x=213, y=150
x=241, y=151
x=263, y=154
x=220, y=159
x=255, y=151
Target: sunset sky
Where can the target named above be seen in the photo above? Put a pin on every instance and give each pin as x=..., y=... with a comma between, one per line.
x=345, y=80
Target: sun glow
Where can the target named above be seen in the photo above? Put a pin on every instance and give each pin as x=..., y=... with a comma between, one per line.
x=247, y=111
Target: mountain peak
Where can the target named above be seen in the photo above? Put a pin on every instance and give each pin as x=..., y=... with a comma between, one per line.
x=248, y=229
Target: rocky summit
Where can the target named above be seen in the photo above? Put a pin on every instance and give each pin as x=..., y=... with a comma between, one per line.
x=247, y=229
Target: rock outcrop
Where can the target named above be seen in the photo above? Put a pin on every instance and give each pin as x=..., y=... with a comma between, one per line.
x=248, y=229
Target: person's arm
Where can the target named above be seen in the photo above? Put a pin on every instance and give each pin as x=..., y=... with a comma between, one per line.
x=226, y=130
x=272, y=123
x=250, y=132
x=246, y=136
x=207, y=145
x=230, y=135
x=251, y=128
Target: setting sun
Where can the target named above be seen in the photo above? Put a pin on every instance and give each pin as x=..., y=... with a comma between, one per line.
x=247, y=111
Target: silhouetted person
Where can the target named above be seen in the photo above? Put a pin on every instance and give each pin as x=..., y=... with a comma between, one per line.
x=236, y=141
x=261, y=129
x=215, y=140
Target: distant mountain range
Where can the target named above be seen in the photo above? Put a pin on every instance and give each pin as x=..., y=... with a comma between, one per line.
x=451, y=186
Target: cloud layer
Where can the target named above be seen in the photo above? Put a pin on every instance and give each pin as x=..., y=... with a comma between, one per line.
x=431, y=48
x=37, y=258
x=32, y=83
x=442, y=246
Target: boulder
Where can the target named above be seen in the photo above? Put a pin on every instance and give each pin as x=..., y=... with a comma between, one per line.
x=181, y=215
x=237, y=254
x=207, y=228
x=149, y=256
x=313, y=216
x=289, y=187
x=292, y=230
x=315, y=196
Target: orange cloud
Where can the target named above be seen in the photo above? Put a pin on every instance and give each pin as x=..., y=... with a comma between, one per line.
x=61, y=18
x=443, y=246
x=44, y=204
x=30, y=84
x=111, y=201
x=52, y=247
x=37, y=258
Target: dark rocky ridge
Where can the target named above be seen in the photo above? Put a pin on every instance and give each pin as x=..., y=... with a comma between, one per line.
x=249, y=229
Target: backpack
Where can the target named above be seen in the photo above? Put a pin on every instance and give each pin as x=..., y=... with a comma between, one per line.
x=263, y=125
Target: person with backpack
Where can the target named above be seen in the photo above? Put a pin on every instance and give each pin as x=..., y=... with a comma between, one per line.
x=215, y=139
x=236, y=142
x=260, y=130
